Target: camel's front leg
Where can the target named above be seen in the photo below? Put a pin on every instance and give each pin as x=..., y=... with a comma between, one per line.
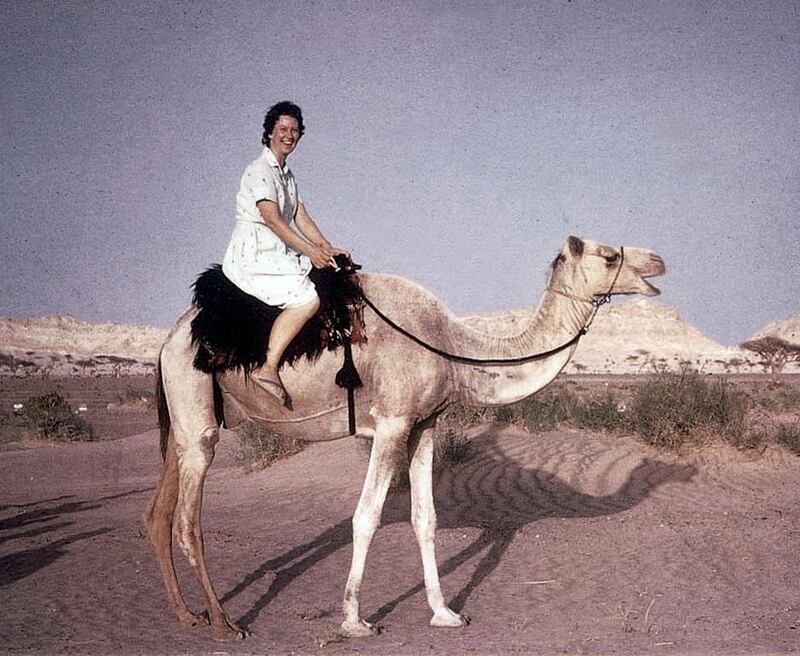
x=423, y=519
x=390, y=436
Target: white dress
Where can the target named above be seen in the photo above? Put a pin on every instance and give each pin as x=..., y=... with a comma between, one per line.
x=257, y=260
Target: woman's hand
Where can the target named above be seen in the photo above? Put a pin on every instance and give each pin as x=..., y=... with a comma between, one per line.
x=321, y=257
x=331, y=252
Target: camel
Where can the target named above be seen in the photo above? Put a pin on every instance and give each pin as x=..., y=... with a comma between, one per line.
x=406, y=387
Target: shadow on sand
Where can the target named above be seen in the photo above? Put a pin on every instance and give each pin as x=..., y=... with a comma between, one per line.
x=490, y=492
x=41, y=520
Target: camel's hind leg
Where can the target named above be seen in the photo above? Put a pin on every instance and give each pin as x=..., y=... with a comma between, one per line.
x=158, y=522
x=194, y=459
x=423, y=519
x=189, y=396
x=390, y=437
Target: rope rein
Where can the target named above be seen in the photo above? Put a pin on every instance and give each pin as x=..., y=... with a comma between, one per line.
x=595, y=302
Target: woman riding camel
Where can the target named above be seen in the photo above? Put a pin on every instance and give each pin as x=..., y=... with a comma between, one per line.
x=266, y=257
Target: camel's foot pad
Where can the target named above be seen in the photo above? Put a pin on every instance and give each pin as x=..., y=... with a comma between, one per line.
x=360, y=629
x=449, y=619
x=227, y=631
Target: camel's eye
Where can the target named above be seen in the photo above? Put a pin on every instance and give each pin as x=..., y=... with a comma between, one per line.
x=611, y=259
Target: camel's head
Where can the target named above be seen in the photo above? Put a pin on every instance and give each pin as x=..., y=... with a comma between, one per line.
x=587, y=269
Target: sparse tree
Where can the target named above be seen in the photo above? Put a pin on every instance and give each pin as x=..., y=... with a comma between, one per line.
x=775, y=352
x=736, y=363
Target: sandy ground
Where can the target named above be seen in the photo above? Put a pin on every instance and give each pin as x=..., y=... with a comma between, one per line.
x=566, y=543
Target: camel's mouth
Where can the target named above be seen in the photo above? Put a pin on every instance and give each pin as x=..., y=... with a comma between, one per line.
x=650, y=288
x=656, y=268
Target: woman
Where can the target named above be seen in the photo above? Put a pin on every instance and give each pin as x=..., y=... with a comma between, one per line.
x=266, y=257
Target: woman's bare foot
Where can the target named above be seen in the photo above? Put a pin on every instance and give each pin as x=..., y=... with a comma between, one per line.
x=272, y=385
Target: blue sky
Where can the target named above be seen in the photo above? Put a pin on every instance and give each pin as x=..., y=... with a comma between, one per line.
x=454, y=143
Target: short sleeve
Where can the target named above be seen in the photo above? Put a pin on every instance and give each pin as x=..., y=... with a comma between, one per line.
x=262, y=184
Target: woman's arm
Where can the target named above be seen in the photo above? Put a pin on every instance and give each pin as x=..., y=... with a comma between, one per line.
x=311, y=231
x=318, y=254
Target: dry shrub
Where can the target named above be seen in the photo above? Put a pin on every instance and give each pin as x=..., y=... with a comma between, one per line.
x=134, y=397
x=450, y=444
x=778, y=399
x=51, y=417
x=670, y=408
x=600, y=413
x=543, y=411
x=259, y=447
x=789, y=436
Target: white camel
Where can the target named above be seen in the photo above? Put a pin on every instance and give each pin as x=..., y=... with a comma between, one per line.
x=405, y=388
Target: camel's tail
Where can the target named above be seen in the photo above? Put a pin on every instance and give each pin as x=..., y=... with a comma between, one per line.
x=164, y=421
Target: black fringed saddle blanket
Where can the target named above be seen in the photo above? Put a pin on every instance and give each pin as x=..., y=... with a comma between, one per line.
x=232, y=327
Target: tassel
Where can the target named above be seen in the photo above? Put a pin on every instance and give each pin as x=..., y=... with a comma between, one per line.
x=347, y=376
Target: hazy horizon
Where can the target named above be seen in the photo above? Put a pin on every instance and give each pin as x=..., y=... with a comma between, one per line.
x=456, y=144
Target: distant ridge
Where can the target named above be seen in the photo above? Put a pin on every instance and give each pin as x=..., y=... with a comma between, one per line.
x=633, y=337
x=639, y=336
x=65, y=334
x=788, y=329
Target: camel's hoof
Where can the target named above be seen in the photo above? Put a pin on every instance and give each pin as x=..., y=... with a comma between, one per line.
x=447, y=618
x=228, y=631
x=360, y=629
x=190, y=620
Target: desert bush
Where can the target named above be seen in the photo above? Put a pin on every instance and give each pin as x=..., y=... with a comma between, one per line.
x=599, y=413
x=789, y=436
x=258, y=447
x=450, y=443
x=7, y=360
x=132, y=396
x=670, y=408
x=778, y=399
x=51, y=417
x=541, y=412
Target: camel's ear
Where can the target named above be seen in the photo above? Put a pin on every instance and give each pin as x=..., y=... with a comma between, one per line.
x=575, y=246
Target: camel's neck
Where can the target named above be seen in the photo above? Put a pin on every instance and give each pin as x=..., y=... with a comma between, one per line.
x=555, y=321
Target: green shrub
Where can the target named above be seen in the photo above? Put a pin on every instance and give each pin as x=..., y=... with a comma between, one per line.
x=259, y=447
x=51, y=417
x=670, y=408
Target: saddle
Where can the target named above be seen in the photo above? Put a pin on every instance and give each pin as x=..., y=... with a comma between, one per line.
x=231, y=327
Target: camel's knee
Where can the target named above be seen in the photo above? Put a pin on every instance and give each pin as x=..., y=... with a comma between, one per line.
x=424, y=523
x=194, y=457
x=197, y=452
x=366, y=522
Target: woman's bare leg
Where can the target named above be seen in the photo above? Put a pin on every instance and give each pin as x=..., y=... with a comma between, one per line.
x=284, y=329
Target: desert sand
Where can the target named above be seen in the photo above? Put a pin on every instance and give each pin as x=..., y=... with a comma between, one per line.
x=568, y=542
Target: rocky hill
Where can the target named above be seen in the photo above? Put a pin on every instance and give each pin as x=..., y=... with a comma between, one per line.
x=788, y=329
x=634, y=337
x=640, y=336
x=63, y=346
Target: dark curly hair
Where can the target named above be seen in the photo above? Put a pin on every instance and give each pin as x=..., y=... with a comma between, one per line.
x=283, y=108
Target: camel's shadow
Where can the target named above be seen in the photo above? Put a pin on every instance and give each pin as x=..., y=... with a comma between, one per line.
x=490, y=491
x=40, y=518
